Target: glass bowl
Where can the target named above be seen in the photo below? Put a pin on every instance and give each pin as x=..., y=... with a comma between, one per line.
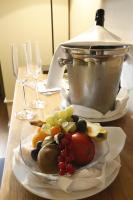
x=101, y=151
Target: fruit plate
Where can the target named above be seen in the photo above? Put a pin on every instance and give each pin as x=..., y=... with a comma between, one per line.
x=116, y=140
x=101, y=151
x=21, y=173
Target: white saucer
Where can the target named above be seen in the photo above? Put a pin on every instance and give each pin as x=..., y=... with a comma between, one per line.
x=94, y=115
x=21, y=172
x=113, y=118
x=109, y=119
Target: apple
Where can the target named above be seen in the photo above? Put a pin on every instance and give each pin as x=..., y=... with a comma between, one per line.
x=83, y=148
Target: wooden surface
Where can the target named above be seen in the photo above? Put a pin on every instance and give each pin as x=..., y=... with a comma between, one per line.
x=120, y=189
x=3, y=128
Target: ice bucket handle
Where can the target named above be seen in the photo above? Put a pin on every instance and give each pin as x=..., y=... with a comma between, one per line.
x=64, y=61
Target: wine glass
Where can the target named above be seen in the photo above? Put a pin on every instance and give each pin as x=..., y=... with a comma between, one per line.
x=19, y=64
x=34, y=69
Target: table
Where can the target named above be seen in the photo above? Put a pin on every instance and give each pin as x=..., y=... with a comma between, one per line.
x=120, y=189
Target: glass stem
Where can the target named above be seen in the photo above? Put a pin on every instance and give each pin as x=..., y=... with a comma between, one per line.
x=36, y=88
x=24, y=97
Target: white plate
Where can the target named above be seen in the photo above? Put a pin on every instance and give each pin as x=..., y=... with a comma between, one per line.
x=116, y=140
x=109, y=119
x=21, y=172
x=90, y=114
x=113, y=118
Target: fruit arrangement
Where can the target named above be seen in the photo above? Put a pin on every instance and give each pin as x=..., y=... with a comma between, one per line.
x=64, y=142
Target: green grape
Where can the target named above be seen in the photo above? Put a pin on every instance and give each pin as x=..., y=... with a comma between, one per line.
x=55, y=120
x=65, y=114
x=60, y=121
x=56, y=115
x=69, y=111
x=69, y=119
x=62, y=114
x=50, y=120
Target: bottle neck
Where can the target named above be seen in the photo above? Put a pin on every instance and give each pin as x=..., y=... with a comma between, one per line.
x=100, y=17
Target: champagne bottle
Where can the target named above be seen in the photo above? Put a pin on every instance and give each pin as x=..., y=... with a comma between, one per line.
x=100, y=17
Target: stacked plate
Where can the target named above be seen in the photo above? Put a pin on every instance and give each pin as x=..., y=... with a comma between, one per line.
x=94, y=115
x=84, y=183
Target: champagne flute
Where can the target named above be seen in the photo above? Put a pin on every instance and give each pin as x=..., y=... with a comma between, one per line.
x=19, y=64
x=35, y=69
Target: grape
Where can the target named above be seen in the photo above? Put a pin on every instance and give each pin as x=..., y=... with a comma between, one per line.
x=68, y=136
x=70, y=169
x=60, y=121
x=67, y=160
x=63, y=153
x=62, y=114
x=61, y=159
x=61, y=146
x=81, y=126
x=66, y=156
x=62, y=172
x=34, y=154
x=65, y=114
x=39, y=145
x=51, y=120
x=71, y=157
x=69, y=111
x=62, y=166
x=75, y=118
x=65, y=141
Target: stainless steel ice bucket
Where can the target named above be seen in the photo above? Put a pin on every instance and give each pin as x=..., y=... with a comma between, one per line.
x=94, y=75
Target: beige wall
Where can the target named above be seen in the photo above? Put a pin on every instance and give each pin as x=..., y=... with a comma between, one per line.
x=24, y=20
x=82, y=15
x=21, y=21
x=60, y=15
x=119, y=17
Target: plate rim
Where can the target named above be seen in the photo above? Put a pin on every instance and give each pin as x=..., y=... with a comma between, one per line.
x=113, y=118
x=109, y=119
x=102, y=119
x=111, y=178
